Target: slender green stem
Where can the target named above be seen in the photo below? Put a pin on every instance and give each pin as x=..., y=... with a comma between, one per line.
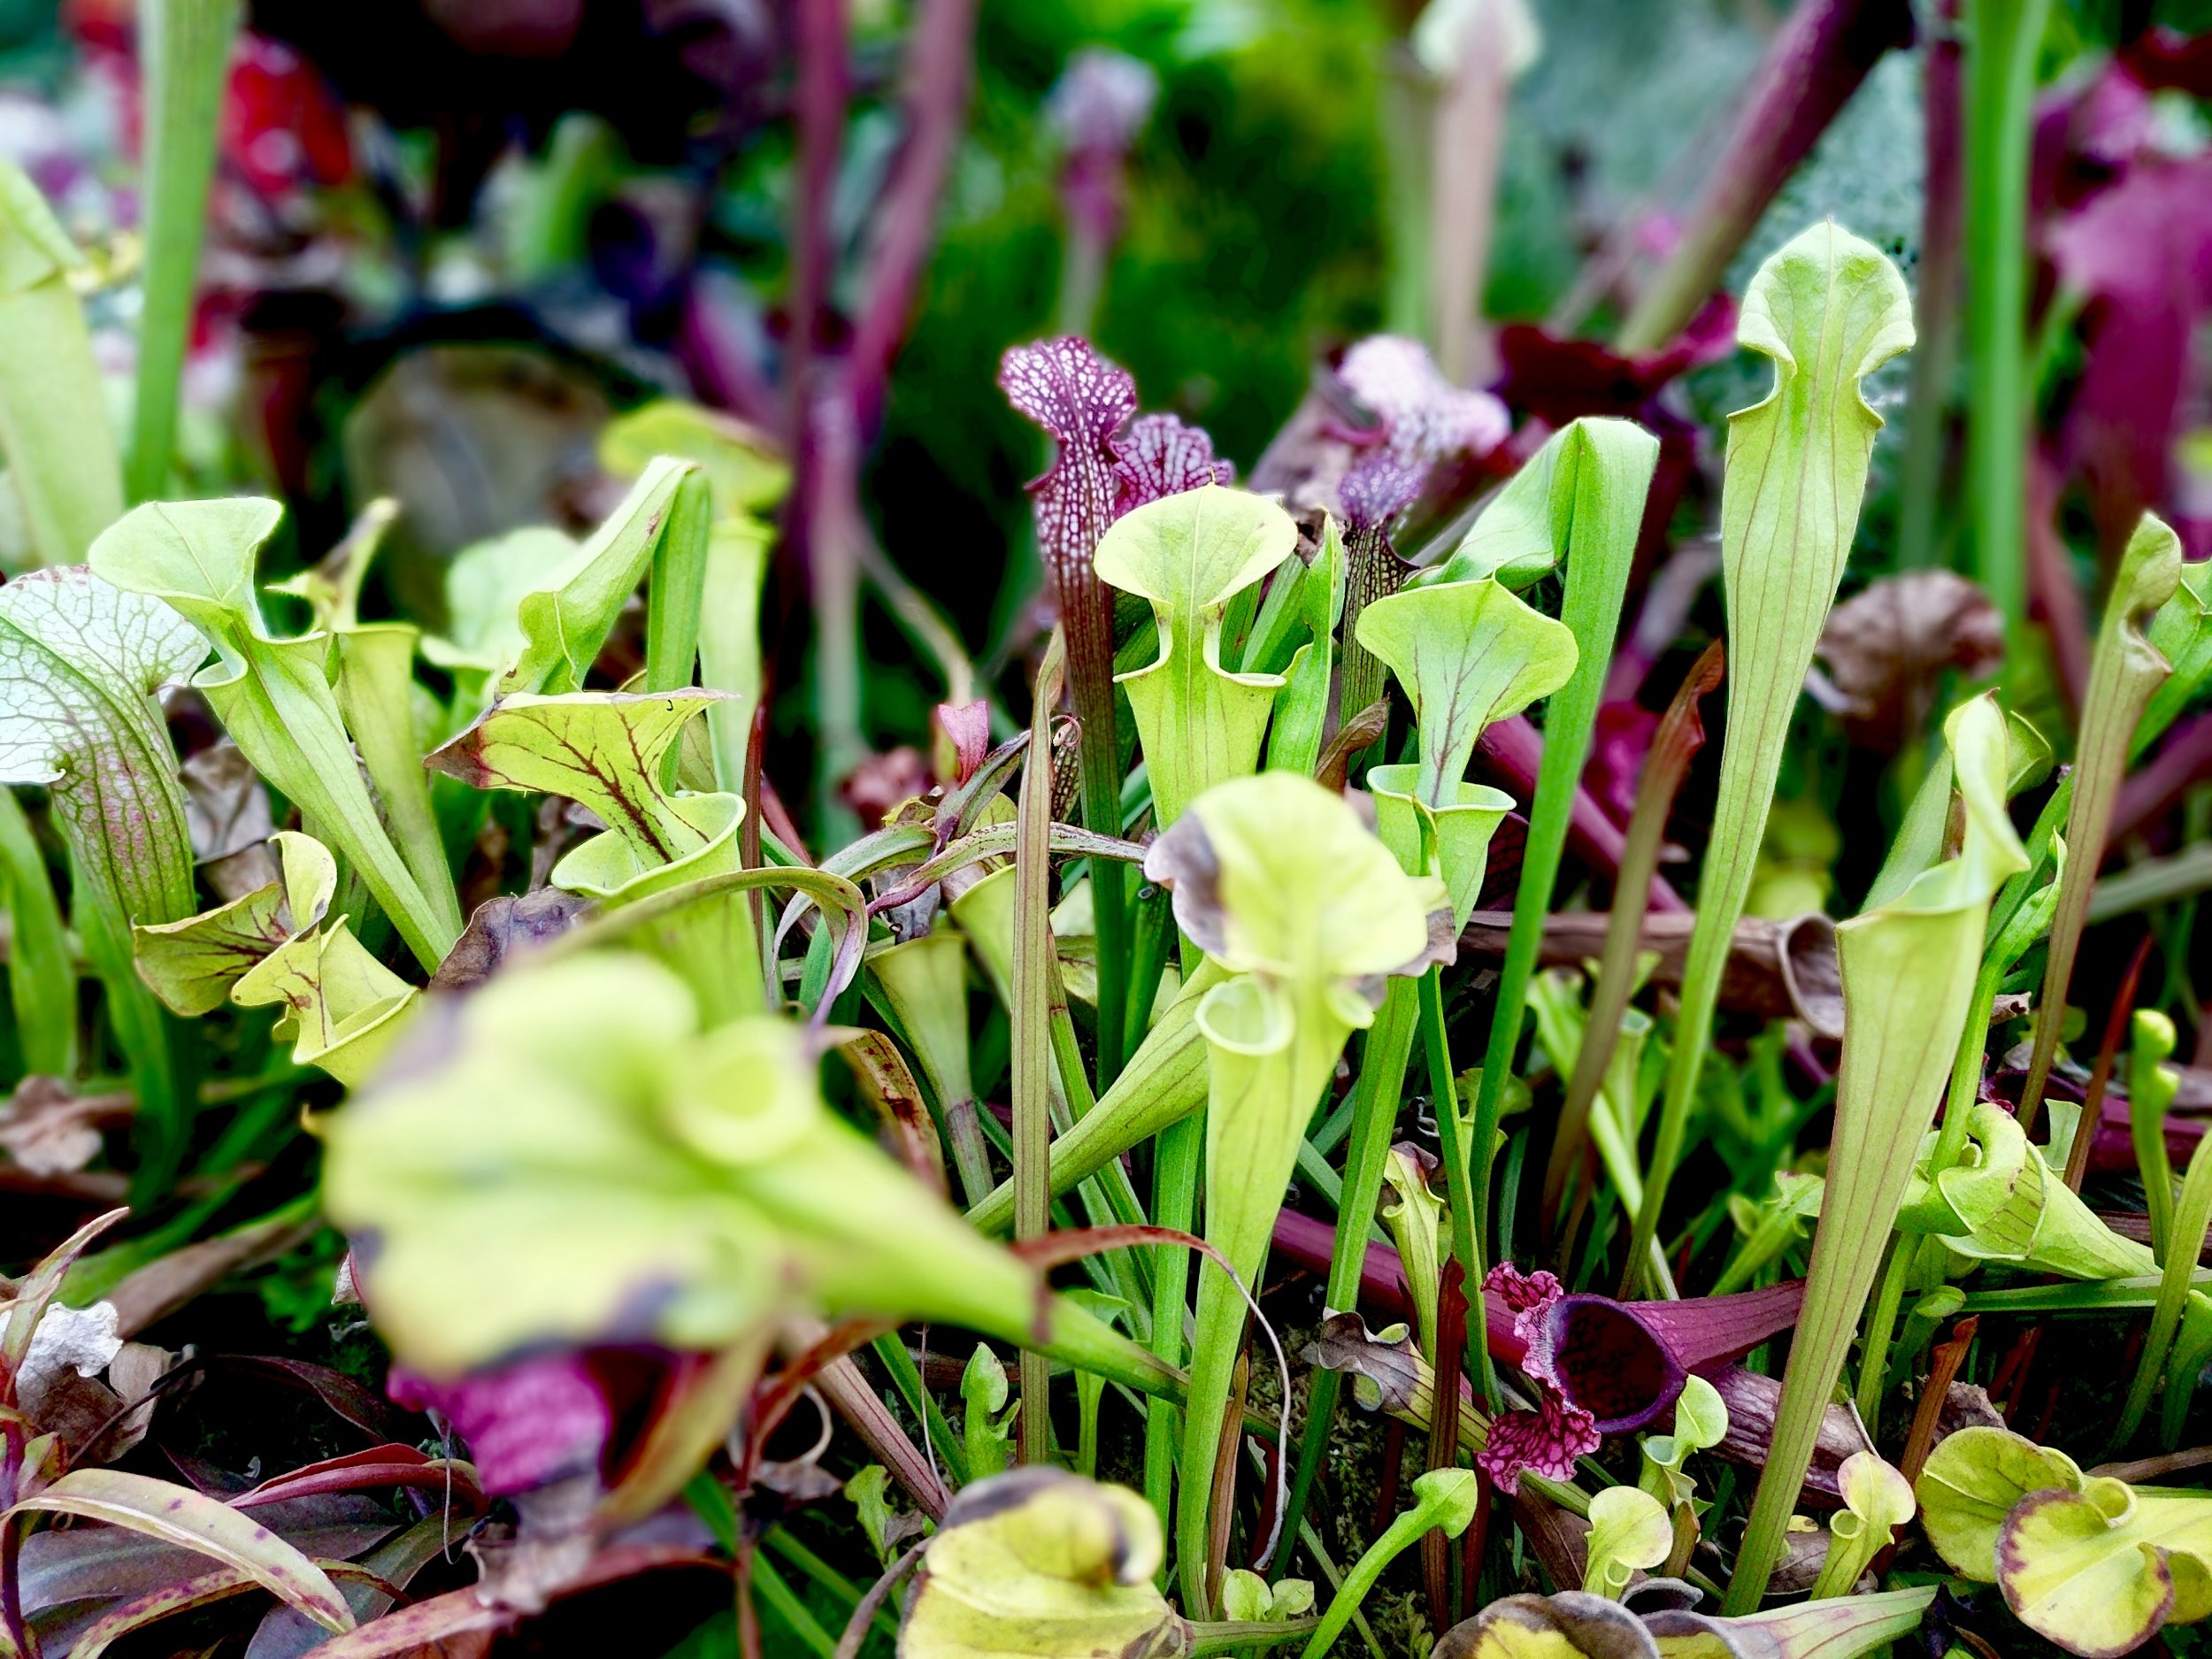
x=184, y=46
x=1966, y=1068
x=1466, y=1165
x=1177, y=1155
x=1032, y=1084
x=1881, y=1321
x=41, y=982
x=781, y=1596
x=1231, y=1636
x=675, y=598
x=2192, y=1219
x=938, y=1433
x=2151, y=1089
x=1403, y=1533
x=2002, y=38
x=1154, y=933
x=2138, y=1290
x=1374, y=1109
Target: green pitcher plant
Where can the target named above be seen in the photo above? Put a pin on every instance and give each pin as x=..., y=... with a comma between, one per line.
x=1909, y=971
x=625, y=1170
x=1280, y=883
x=1829, y=309
x=2087, y=1562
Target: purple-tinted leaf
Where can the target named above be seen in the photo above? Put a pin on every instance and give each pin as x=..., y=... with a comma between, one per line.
x=156, y=1605
x=1376, y=489
x=1424, y=418
x=92, y=1563
x=80, y=663
x=2141, y=254
x=967, y=728
x=284, y=1635
x=379, y=1469
x=526, y=1424
x=1159, y=455
x=1558, y=380
x=1082, y=401
x=178, y=1515
x=349, y=1398
x=503, y=926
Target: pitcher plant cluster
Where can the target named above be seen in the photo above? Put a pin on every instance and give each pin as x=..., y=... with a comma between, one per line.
x=1215, y=971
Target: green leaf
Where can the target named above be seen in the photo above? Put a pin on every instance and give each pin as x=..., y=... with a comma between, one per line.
x=1972, y=1482
x=1575, y=1625
x=608, y=751
x=1190, y=554
x=80, y=663
x=342, y=1008
x=745, y=476
x=1449, y=840
x=1876, y=1501
x=1250, y=1598
x=1415, y=1217
x=2126, y=669
x=1302, y=707
x=739, y=463
x=601, y=749
x=567, y=616
x=192, y=965
x=1628, y=1529
x=573, y=1158
x=1842, y=1628
x=1828, y=309
x=1909, y=971
x=484, y=588
x=1701, y=1421
x=41, y=977
x=924, y=983
x=729, y=640
x=273, y=696
x=54, y=428
x=376, y=696
x=1443, y=1499
x=987, y=1428
x=1046, y=1564
x=1164, y=1082
x=2013, y=1208
x=1277, y=881
x=1584, y=489
x=2101, y=1571
x=1468, y=654
x=205, y=1525
x=1595, y=475
x=2152, y=1085
x=2180, y=631
x=184, y=46
x=2185, y=1246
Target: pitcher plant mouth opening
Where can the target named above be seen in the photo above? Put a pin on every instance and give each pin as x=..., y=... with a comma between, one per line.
x=1604, y=1367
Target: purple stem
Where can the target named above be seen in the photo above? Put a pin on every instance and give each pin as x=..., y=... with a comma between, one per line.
x=2159, y=787
x=819, y=109
x=938, y=71
x=1935, y=293
x=1512, y=750
x=1819, y=59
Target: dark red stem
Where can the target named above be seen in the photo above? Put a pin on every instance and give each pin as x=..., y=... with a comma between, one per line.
x=1512, y=750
